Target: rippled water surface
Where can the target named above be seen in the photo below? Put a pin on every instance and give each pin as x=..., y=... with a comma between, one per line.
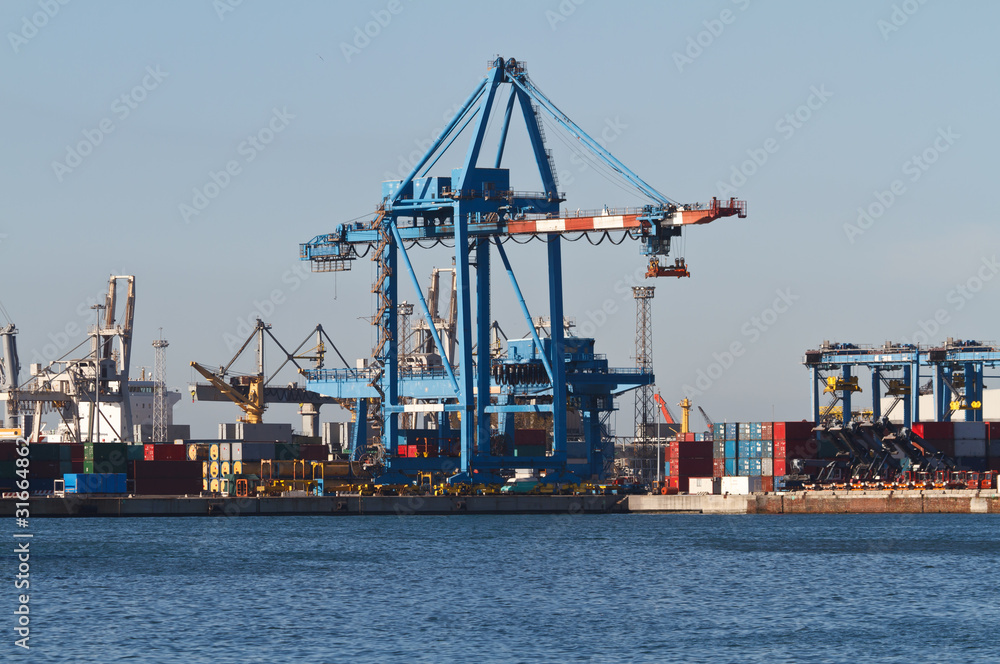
x=615, y=588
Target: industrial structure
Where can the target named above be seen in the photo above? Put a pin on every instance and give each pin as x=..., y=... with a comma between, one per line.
x=955, y=370
x=476, y=208
x=253, y=392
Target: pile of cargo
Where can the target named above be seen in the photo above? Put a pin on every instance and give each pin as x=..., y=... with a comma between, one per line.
x=242, y=467
x=973, y=445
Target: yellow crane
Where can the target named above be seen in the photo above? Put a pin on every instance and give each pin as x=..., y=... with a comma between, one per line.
x=252, y=404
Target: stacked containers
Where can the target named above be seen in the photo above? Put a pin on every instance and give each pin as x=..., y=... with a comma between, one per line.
x=939, y=435
x=105, y=457
x=970, y=445
x=792, y=440
x=687, y=458
x=169, y=478
x=993, y=445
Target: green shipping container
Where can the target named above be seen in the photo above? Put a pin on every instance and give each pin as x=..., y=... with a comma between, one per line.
x=529, y=451
x=8, y=469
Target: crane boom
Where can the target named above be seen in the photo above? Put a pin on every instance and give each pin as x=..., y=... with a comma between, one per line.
x=252, y=404
x=667, y=415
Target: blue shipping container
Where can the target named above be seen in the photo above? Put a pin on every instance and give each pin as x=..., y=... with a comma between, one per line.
x=731, y=468
x=731, y=449
x=751, y=449
x=732, y=431
x=751, y=467
x=95, y=482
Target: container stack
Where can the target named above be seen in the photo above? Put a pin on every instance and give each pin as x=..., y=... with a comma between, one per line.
x=760, y=450
x=686, y=458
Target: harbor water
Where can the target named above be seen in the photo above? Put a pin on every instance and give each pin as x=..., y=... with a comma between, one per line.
x=549, y=588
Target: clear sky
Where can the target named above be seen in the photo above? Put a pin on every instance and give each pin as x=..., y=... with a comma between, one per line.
x=862, y=134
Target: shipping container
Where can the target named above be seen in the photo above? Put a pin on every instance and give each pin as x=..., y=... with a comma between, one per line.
x=970, y=448
x=258, y=451
x=689, y=450
x=767, y=483
x=935, y=430
x=971, y=463
x=163, y=452
x=767, y=431
x=732, y=431
x=792, y=430
x=994, y=449
x=214, y=469
x=719, y=431
x=710, y=485
x=321, y=453
x=740, y=485
x=171, y=486
x=719, y=449
x=94, y=482
x=718, y=467
x=225, y=468
x=749, y=466
x=225, y=451
x=780, y=467
x=732, y=449
x=766, y=467
x=993, y=430
x=731, y=467
x=969, y=430
x=236, y=451
x=691, y=467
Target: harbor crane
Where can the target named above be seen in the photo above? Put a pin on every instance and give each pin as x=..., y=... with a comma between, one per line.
x=477, y=209
x=252, y=393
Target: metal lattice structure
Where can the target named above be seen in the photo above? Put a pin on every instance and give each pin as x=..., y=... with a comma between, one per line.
x=475, y=210
x=644, y=464
x=160, y=395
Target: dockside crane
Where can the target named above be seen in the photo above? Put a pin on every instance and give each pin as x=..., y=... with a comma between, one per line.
x=478, y=210
x=252, y=393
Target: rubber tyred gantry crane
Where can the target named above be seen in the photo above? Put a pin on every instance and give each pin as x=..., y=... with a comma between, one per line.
x=476, y=208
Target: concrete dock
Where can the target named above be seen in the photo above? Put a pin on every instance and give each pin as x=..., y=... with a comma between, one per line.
x=811, y=502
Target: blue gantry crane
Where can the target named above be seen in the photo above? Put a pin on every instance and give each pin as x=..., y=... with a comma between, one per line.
x=476, y=208
x=957, y=369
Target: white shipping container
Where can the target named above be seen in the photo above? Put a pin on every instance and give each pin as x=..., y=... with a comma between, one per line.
x=767, y=467
x=704, y=485
x=236, y=451
x=741, y=484
x=970, y=431
x=970, y=448
x=225, y=450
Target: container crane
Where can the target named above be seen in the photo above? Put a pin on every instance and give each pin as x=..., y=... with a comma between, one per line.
x=477, y=209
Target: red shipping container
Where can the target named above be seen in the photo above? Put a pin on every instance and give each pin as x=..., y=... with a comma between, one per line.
x=77, y=465
x=689, y=450
x=767, y=483
x=993, y=430
x=76, y=452
x=718, y=467
x=686, y=437
x=692, y=467
x=792, y=430
x=779, y=450
x=164, y=452
x=993, y=463
x=934, y=430
x=780, y=467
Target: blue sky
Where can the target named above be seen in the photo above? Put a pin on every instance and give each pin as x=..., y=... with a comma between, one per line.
x=862, y=135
